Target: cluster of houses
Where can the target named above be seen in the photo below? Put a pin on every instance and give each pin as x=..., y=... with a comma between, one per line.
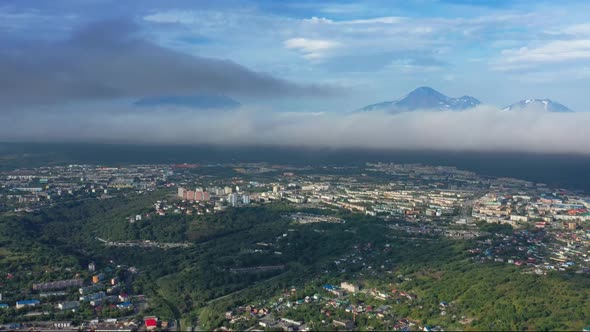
x=27, y=189
x=538, y=249
x=148, y=323
x=334, y=301
x=309, y=218
x=103, y=289
x=188, y=207
x=555, y=210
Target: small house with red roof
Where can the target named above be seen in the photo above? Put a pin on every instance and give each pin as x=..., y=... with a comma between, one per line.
x=151, y=322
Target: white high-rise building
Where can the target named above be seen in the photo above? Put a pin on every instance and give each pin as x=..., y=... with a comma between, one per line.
x=246, y=199
x=228, y=190
x=232, y=199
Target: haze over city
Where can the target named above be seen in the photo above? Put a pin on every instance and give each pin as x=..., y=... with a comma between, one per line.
x=295, y=73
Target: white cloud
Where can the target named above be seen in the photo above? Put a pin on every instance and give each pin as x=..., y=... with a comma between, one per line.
x=578, y=29
x=376, y=20
x=551, y=52
x=367, y=35
x=312, y=49
x=350, y=8
x=409, y=66
x=569, y=45
x=582, y=29
x=173, y=16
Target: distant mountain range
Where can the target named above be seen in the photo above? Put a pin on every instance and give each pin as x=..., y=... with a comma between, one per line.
x=426, y=98
x=201, y=101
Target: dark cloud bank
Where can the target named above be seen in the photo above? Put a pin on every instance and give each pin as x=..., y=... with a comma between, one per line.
x=110, y=59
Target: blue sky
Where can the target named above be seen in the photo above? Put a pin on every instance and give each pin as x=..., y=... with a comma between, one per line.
x=497, y=51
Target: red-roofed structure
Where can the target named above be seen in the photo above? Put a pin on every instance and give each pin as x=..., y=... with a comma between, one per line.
x=151, y=322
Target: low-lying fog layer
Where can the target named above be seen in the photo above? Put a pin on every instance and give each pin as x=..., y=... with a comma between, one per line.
x=481, y=129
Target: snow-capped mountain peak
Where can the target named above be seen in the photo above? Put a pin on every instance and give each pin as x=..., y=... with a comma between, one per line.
x=424, y=98
x=538, y=105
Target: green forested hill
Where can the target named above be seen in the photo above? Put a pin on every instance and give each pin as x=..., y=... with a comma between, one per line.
x=192, y=282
